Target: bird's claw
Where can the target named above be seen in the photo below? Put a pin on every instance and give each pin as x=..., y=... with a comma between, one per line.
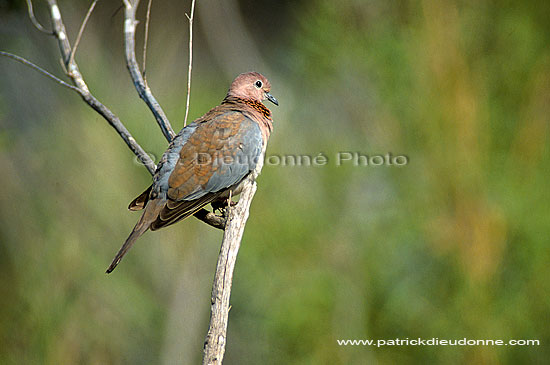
x=222, y=206
x=224, y=212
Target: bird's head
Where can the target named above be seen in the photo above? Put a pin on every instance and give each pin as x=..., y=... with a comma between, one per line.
x=251, y=85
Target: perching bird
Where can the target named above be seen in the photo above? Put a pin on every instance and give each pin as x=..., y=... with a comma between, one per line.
x=208, y=160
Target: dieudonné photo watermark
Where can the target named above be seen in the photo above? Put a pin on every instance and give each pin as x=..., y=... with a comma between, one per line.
x=320, y=159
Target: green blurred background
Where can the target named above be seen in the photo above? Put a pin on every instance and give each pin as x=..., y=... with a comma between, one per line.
x=454, y=245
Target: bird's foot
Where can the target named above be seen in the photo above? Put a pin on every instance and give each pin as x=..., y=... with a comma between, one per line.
x=223, y=212
x=222, y=205
x=211, y=219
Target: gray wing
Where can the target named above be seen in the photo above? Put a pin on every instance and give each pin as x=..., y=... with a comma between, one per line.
x=230, y=145
x=239, y=157
x=216, y=156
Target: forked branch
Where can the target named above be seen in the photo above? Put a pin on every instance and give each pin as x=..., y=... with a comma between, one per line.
x=73, y=72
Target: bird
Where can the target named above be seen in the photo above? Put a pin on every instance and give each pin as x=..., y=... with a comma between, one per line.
x=208, y=160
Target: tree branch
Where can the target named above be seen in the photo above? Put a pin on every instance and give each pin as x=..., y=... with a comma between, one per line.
x=39, y=69
x=214, y=344
x=130, y=22
x=97, y=106
x=73, y=72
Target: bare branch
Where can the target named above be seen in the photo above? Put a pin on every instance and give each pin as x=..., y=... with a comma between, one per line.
x=190, y=18
x=73, y=72
x=146, y=39
x=39, y=69
x=64, y=46
x=34, y=21
x=130, y=7
x=81, y=30
x=214, y=345
x=115, y=122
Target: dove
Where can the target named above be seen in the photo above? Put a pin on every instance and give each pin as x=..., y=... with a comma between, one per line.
x=209, y=159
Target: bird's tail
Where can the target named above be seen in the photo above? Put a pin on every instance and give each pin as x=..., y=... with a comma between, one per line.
x=136, y=232
x=149, y=215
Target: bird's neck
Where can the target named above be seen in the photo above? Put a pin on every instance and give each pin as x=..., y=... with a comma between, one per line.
x=256, y=105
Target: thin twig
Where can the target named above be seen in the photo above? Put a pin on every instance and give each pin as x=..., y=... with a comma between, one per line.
x=81, y=30
x=146, y=39
x=190, y=18
x=214, y=344
x=34, y=21
x=39, y=69
x=143, y=90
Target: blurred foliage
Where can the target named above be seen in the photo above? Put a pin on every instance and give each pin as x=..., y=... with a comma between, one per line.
x=453, y=245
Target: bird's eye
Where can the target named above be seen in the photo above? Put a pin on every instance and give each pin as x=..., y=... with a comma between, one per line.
x=258, y=84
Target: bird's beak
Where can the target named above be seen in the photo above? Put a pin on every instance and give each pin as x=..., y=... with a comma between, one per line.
x=270, y=97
